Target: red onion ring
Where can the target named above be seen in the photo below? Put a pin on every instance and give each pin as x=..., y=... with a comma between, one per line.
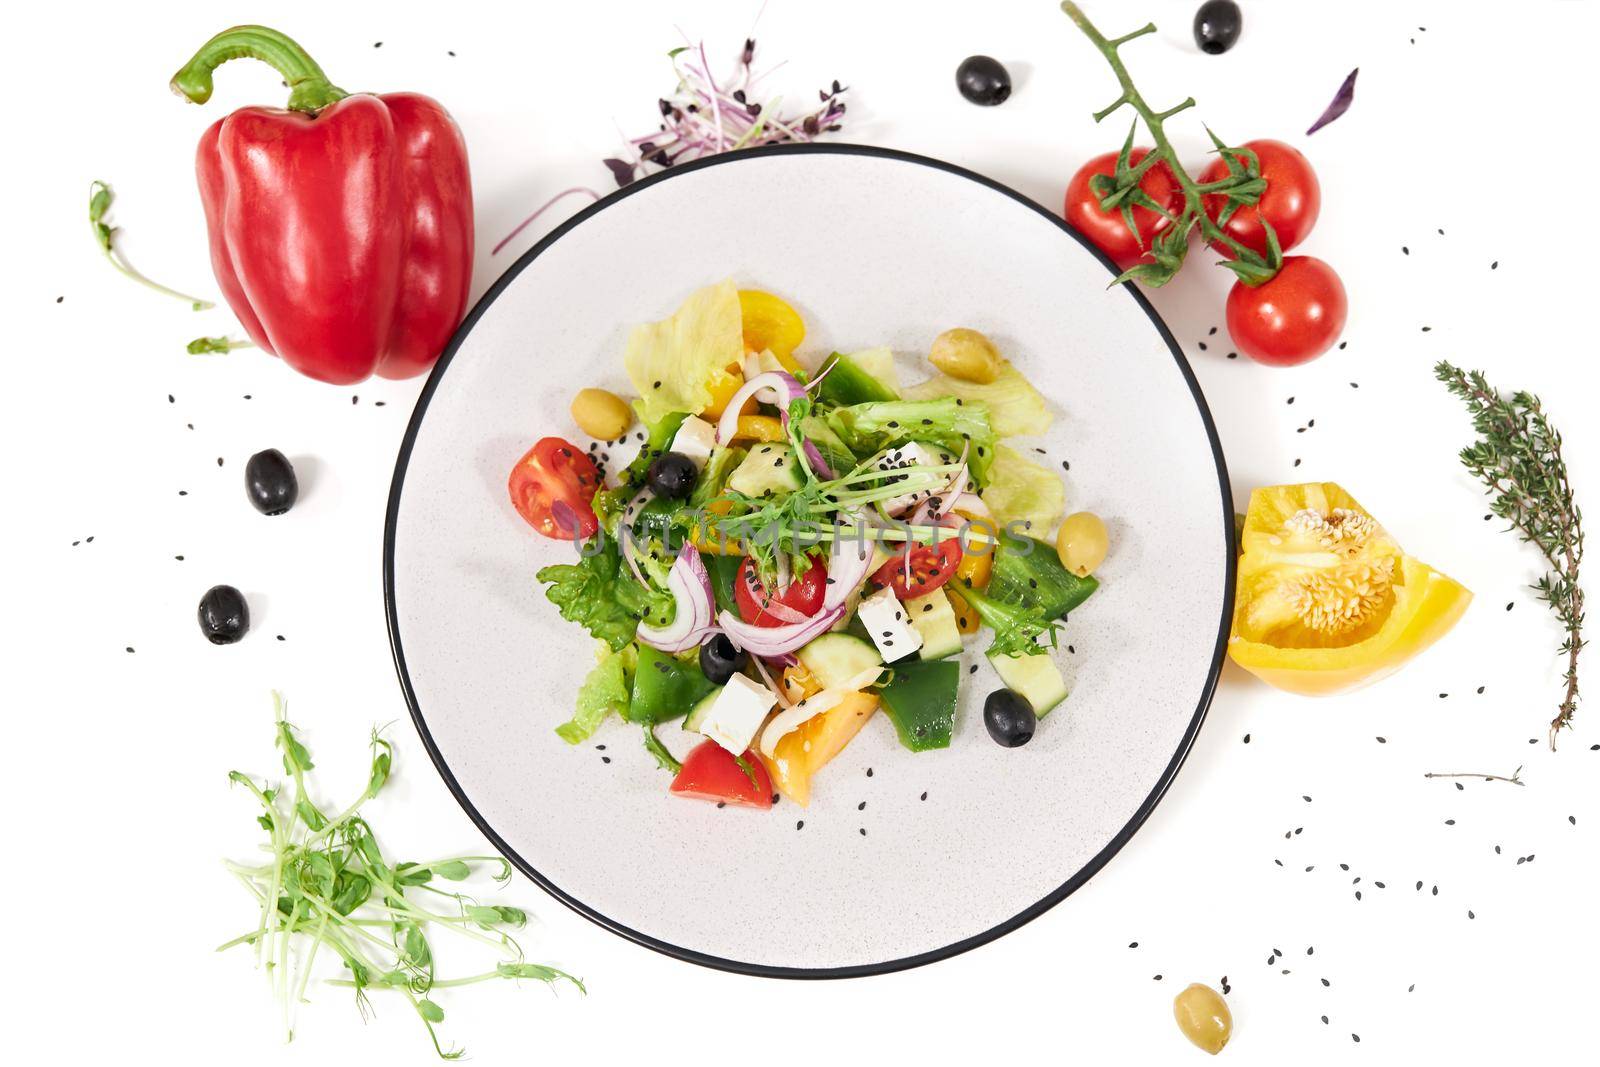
x=776, y=387
x=819, y=466
x=776, y=640
x=690, y=587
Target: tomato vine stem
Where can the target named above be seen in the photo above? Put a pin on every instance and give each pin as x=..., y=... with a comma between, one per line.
x=1243, y=183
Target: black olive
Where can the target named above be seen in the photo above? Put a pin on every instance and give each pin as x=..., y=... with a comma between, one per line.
x=1010, y=718
x=270, y=481
x=1217, y=25
x=672, y=475
x=224, y=615
x=983, y=80
x=719, y=660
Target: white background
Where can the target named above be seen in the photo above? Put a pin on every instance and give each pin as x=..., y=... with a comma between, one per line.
x=122, y=721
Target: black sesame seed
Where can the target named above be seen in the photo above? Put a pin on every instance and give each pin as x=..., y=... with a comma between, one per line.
x=1247, y=739
x=799, y=823
x=924, y=796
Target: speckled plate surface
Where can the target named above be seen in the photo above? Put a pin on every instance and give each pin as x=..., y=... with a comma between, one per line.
x=903, y=858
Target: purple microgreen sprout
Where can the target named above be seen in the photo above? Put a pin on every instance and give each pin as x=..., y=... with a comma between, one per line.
x=704, y=117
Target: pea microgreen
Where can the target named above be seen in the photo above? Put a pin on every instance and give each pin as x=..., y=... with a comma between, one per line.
x=327, y=885
x=100, y=197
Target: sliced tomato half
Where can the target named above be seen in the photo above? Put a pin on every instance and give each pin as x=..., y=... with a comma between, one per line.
x=931, y=567
x=553, y=486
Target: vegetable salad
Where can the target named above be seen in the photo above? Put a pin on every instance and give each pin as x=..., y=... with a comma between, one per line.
x=800, y=543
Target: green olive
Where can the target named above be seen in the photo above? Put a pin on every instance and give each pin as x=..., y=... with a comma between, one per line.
x=966, y=354
x=1203, y=1017
x=1081, y=543
x=602, y=415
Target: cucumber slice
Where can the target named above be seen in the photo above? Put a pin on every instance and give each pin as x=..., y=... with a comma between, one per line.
x=879, y=363
x=933, y=618
x=834, y=658
x=1036, y=679
x=697, y=714
x=921, y=702
x=769, y=469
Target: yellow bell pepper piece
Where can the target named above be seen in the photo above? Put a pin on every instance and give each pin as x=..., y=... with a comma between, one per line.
x=806, y=750
x=1327, y=601
x=972, y=572
x=759, y=428
x=771, y=324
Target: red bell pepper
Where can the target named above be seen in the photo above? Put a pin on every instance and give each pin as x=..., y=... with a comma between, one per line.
x=341, y=228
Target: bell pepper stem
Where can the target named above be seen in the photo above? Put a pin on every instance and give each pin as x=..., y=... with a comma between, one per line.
x=309, y=88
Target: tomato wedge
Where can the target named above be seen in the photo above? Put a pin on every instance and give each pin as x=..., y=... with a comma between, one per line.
x=711, y=773
x=804, y=595
x=552, y=487
x=931, y=567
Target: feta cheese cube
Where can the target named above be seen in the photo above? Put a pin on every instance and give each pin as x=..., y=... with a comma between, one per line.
x=906, y=455
x=885, y=619
x=738, y=713
x=695, y=439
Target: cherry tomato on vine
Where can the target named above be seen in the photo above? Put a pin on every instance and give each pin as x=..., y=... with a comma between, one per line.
x=1291, y=201
x=1106, y=230
x=1291, y=319
x=930, y=568
x=804, y=595
x=552, y=486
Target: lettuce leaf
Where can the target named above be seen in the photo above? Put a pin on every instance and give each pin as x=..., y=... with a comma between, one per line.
x=1020, y=490
x=948, y=422
x=1017, y=629
x=598, y=594
x=604, y=691
x=676, y=363
x=1015, y=406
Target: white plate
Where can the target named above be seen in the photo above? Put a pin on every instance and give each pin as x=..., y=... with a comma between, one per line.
x=961, y=845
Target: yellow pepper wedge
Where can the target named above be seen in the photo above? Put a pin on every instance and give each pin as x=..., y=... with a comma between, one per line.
x=771, y=324
x=1327, y=601
x=804, y=752
x=971, y=573
x=759, y=428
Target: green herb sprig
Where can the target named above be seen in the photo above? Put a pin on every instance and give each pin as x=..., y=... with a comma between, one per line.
x=100, y=197
x=1120, y=191
x=215, y=346
x=1518, y=459
x=328, y=885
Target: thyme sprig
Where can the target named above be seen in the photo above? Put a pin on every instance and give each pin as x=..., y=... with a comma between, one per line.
x=1518, y=459
x=1120, y=191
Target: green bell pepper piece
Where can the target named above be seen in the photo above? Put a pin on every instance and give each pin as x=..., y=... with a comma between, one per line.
x=848, y=384
x=921, y=702
x=664, y=687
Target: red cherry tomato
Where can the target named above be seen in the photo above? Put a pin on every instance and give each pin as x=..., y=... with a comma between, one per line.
x=1106, y=230
x=1291, y=201
x=1293, y=318
x=804, y=595
x=931, y=567
x=711, y=773
x=552, y=486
